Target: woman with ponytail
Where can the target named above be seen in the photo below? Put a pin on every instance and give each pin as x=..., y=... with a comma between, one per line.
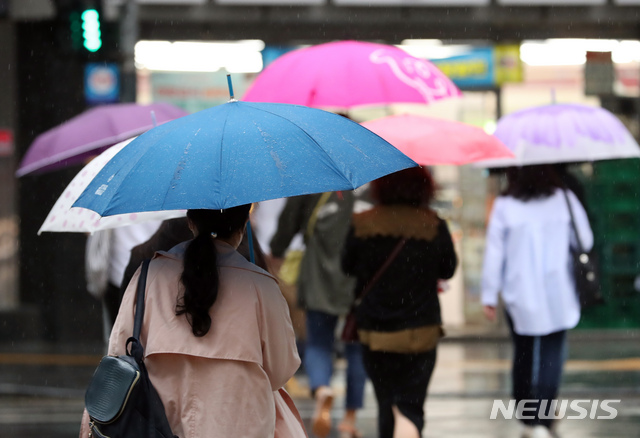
x=219, y=343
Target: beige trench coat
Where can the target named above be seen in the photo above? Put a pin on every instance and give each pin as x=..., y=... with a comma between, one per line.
x=229, y=382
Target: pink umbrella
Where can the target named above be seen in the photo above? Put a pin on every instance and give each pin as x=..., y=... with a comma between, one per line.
x=91, y=132
x=345, y=74
x=431, y=141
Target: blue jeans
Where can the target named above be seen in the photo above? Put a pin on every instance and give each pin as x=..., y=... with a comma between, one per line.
x=318, y=358
x=537, y=370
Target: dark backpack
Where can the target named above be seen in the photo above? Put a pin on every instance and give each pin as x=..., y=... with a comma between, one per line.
x=121, y=400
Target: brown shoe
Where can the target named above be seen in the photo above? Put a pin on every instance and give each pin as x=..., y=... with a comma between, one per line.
x=321, y=420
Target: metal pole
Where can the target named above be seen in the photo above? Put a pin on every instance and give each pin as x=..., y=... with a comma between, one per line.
x=129, y=31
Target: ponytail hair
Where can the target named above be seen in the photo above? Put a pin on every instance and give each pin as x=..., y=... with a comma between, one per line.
x=200, y=273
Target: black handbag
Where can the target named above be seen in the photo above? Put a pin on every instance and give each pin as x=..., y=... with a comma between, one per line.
x=584, y=269
x=120, y=399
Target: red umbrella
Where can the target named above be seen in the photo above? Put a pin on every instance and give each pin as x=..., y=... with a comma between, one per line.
x=430, y=141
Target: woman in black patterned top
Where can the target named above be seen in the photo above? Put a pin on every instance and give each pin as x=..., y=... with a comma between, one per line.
x=399, y=321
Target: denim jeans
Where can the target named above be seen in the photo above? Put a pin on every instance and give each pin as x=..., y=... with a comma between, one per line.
x=537, y=371
x=318, y=358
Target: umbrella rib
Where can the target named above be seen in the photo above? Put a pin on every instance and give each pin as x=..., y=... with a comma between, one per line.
x=224, y=126
x=312, y=139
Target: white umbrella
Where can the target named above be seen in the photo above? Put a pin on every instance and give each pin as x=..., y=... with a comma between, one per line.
x=63, y=218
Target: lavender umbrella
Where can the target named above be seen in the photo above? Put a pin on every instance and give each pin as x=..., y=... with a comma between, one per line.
x=92, y=132
x=562, y=133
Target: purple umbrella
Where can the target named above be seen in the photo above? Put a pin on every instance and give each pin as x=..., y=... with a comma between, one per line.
x=92, y=132
x=562, y=133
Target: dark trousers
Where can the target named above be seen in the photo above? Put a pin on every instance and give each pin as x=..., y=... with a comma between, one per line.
x=399, y=380
x=537, y=371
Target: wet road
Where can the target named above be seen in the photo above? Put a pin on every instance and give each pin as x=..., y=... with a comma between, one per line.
x=41, y=390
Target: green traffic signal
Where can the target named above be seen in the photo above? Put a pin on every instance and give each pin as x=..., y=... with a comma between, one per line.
x=75, y=26
x=91, y=30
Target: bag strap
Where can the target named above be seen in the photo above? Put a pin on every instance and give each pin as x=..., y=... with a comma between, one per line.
x=137, y=350
x=573, y=222
x=314, y=214
x=394, y=253
x=142, y=286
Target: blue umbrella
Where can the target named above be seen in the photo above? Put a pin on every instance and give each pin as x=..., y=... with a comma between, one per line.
x=238, y=153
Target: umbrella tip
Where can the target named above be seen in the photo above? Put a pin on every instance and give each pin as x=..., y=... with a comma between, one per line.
x=230, y=84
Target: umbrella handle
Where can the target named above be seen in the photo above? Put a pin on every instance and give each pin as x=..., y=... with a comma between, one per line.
x=153, y=118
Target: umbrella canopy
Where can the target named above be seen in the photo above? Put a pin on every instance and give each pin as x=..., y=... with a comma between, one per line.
x=430, y=141
x=64, y=218
x=91, y=132
x=563, y=133
x=238, y=153
x=345, y=74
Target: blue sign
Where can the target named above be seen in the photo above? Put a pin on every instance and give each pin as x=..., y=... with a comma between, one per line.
x=271, y=53
x=475, y=69
x=101, y=83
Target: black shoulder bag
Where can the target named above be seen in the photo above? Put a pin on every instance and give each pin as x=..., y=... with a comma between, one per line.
x=584, y=269
x=350, y=329
x=120, y=399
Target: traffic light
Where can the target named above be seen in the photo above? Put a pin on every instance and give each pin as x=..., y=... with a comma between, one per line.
x=75, y=26
x=91, y=35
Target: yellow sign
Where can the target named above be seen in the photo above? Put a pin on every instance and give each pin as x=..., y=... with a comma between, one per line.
x=508, y=67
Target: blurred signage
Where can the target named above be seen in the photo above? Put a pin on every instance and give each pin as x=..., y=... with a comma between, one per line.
x=471, y=70
x=271, y=53
x=483, y=67
x=195, y=91
x=551, y=2
x=6, y=142
x=101, y=83
x=412, y=2
x=599, y=74
x=508, y=66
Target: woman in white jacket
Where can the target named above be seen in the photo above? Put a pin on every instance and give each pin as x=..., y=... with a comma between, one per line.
x=528, y=262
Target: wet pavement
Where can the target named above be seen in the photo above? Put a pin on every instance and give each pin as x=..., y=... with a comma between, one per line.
x=42, y=387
